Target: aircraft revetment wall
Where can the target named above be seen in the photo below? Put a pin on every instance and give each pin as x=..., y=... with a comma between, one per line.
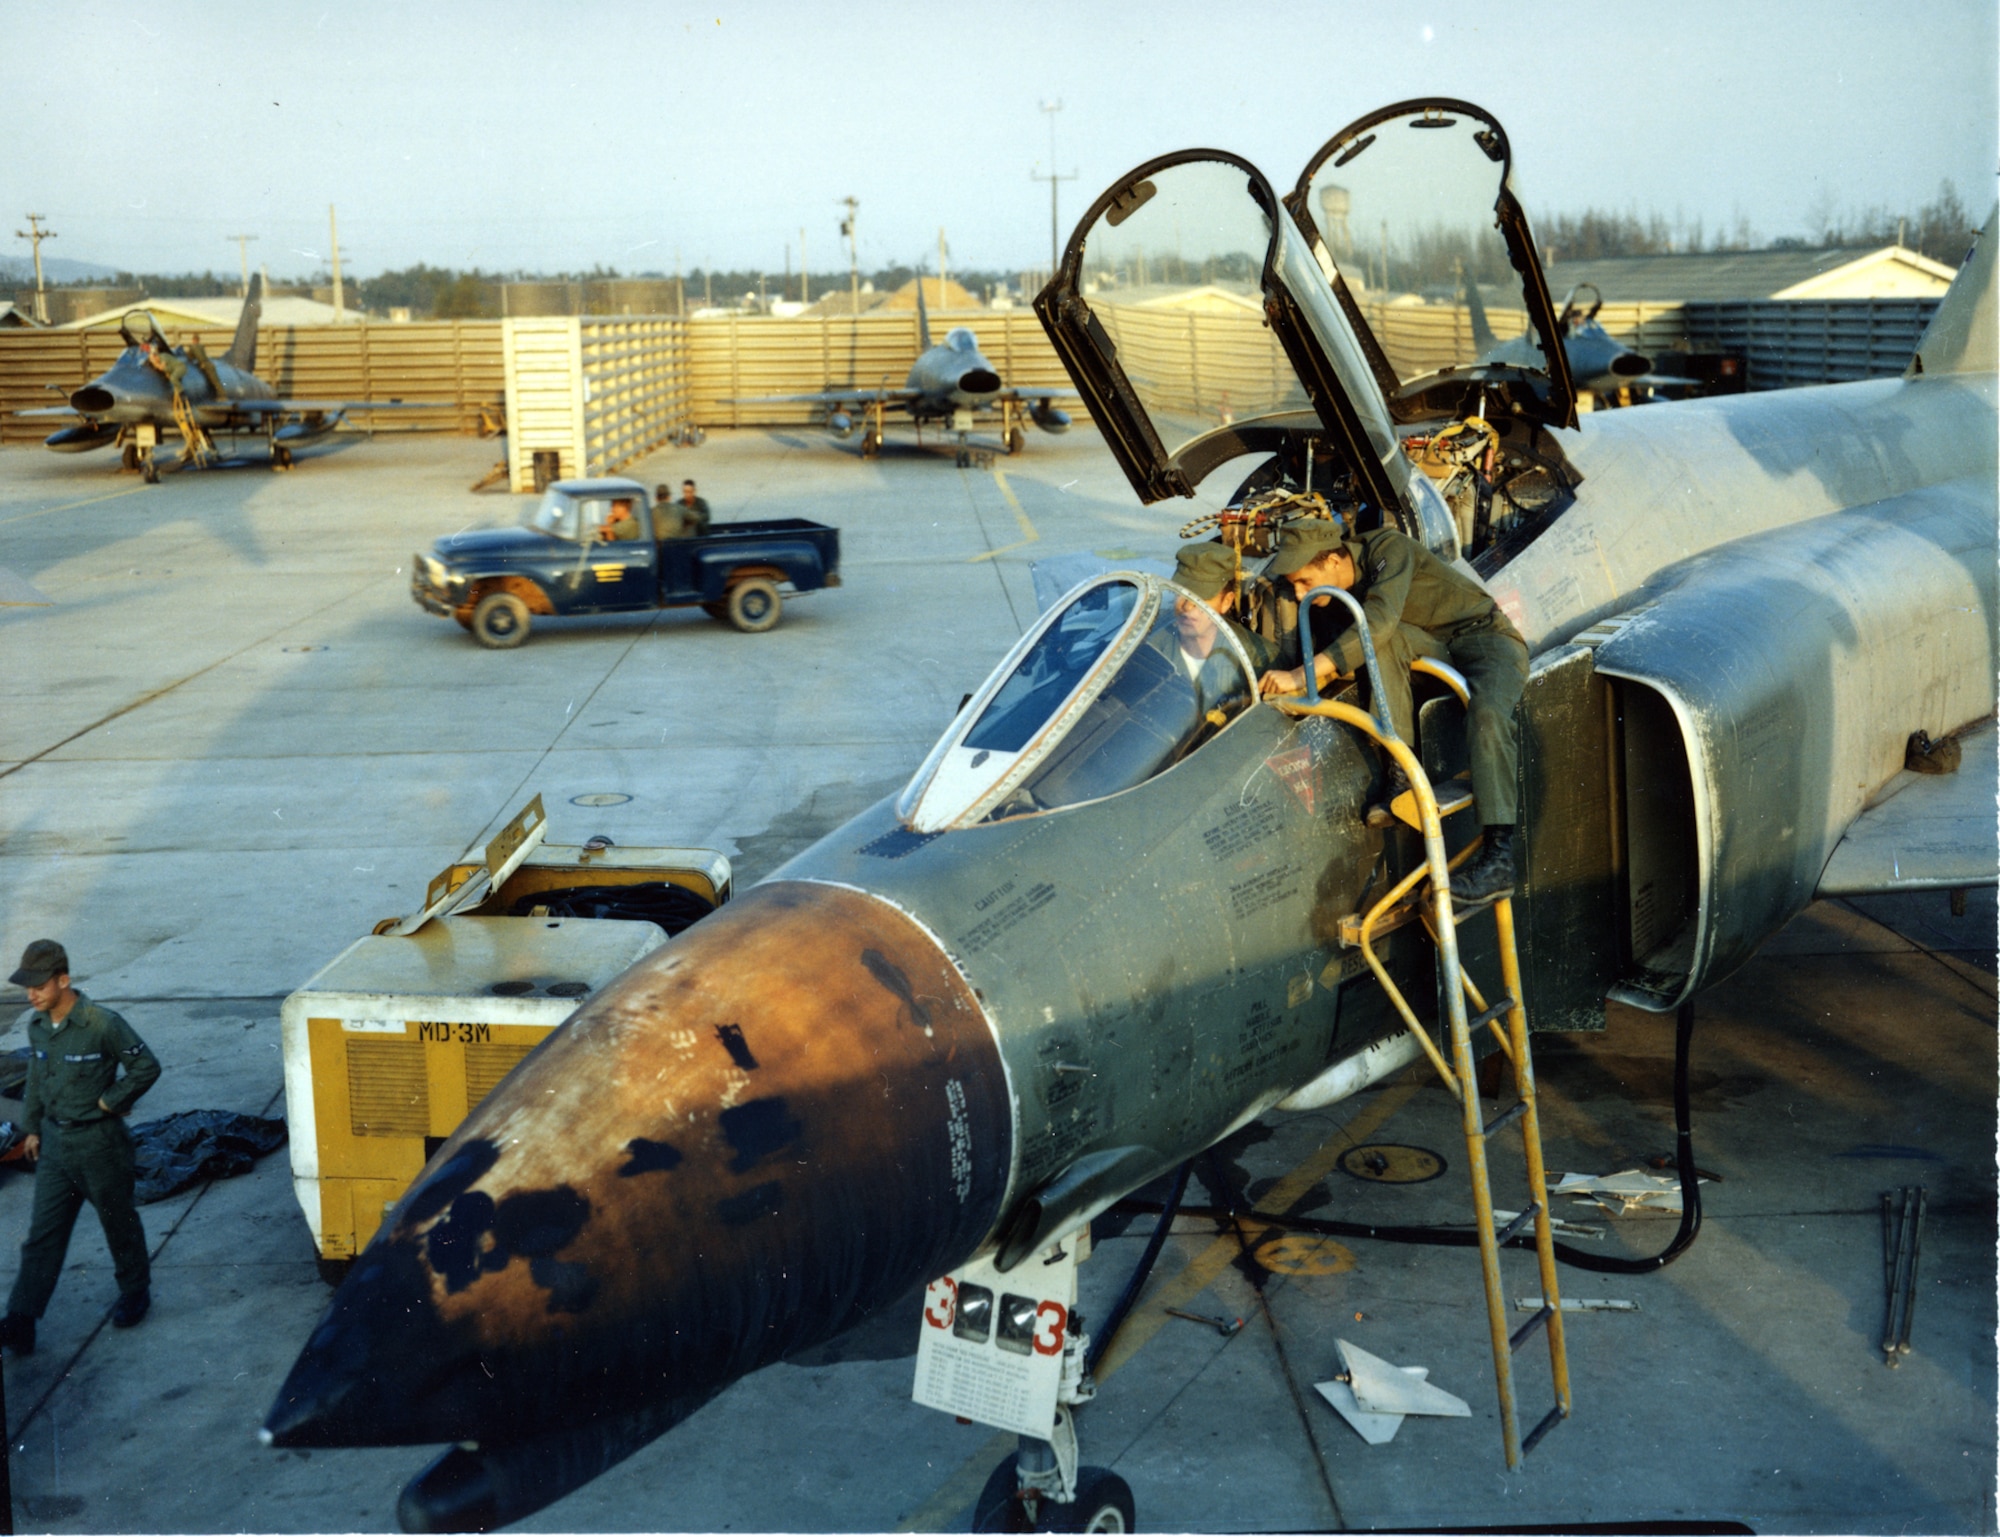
x=457, y=361
x=732, y=357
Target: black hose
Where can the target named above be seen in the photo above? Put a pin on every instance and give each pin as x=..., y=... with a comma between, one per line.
x=1100, y=1341
x=1465, y=1238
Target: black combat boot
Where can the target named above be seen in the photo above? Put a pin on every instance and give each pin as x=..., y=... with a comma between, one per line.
x=130, y=1308
x=17, y=1333
x=1398, y=783
x=1490, y=872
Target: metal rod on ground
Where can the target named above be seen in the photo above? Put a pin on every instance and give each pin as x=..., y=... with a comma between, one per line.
x=1916, y=1252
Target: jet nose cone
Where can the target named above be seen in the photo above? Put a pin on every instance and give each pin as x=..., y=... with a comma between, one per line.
x=786, y=1117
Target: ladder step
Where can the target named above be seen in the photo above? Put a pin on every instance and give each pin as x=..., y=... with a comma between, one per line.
x=1514, y=1227
x=1549, y=1422
x=1522, y=1335
x=1506, y=1118
x=1486, y=1017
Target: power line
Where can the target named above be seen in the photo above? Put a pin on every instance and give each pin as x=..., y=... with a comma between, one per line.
x=36, y=233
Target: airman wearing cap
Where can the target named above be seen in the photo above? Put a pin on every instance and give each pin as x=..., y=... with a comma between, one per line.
x=86, y=1069
x=1214, y=573
x=1417, y=605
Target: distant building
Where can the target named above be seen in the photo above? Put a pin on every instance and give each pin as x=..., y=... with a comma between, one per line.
x=218, y=314
x=14, y=318
x=951, y=296
x=1720, y=277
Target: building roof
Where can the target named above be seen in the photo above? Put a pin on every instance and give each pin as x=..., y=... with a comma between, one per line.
x=219, y=314
x=951, y=296
x=14, y=317
x=1720, y=276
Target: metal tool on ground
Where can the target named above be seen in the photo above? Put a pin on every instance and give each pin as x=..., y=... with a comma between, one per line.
x=1434, y=907
x=1223, y=1326
x=1579, y=1305
x=1902, y=1245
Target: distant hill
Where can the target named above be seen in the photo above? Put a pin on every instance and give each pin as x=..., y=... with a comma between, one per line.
x=55, y=269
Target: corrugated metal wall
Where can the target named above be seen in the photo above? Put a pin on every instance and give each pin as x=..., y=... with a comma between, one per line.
x=649, y=374
x=455, y=361
x=1786, y=342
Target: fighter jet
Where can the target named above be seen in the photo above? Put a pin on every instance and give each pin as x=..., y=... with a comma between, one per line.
x=1109, y=919
x=155, y=388
x=949, y=383
x=1597, y=362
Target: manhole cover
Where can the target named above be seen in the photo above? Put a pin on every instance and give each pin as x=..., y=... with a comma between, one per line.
x=1389, y=1163
x=599, y=798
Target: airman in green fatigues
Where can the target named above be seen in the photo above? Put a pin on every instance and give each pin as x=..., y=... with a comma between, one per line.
x=1417, y=605
x=86, y=1069
x=1214, y=573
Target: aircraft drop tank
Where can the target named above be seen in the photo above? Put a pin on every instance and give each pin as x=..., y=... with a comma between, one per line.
x=774, y=1125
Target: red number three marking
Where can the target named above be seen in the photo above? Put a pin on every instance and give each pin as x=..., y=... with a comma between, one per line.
x=947, y=1302
x=1057, y=1320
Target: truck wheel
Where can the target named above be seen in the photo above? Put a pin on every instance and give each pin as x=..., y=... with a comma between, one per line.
x=500, y=621
x=754, y=605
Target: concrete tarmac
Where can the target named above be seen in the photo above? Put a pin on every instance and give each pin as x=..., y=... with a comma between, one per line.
x=231, y=743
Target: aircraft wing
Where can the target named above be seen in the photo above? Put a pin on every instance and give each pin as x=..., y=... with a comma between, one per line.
x=51, y=411
x=328, y=407
x=858, y=397
x=1036, y=392
x=1924, y=831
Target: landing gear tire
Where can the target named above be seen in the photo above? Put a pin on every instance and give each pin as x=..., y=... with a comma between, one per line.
x=149, y=472
x=1016, y=441
x=281, y=458
x=871, y=445
x=500, y=621
x=964, y=459
x=128, y=458
x=754, y=605
x=1103, y=1503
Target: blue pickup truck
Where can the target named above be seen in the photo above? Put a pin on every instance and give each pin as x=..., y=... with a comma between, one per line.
x=593, y=547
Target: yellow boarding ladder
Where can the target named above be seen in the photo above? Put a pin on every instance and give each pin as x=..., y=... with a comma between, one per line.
x=1434, y=907
x=200, y=447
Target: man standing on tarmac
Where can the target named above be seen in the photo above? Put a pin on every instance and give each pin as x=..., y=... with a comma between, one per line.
x=1415, y=605
x=77, y=1099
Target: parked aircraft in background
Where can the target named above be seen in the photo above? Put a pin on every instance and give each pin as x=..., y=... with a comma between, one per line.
x=949, y=383
x=1111, y=917
x=132, y=405
x=1597, y=362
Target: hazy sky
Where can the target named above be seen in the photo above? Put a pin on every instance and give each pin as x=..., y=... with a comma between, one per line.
x=561, y=136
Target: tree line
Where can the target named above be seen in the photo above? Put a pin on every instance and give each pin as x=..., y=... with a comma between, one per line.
x=1941, y=229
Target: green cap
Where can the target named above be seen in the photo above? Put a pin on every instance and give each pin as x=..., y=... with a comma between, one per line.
x=40, y=961
x=1303, y=543
x=1206, y=569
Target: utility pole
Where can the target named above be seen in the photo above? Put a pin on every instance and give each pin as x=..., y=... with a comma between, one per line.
x=944, y=253
x=36, y=233
x=853, y=260
x=339, y=298
x=243, y=256
x=805, y=282
x=1055, y=226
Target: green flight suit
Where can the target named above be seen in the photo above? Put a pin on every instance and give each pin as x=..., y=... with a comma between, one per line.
x=92, y=1056
x=1417, y=605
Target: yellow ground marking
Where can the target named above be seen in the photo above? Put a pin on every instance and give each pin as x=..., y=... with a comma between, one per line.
x=70, y=506
x=1304, y=1254
x=963, y=1486
x=1028, y=534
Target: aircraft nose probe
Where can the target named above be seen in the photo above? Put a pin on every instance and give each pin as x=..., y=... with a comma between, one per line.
x=784, y=1119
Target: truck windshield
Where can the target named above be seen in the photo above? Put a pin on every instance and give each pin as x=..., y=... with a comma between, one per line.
x=555, y=514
